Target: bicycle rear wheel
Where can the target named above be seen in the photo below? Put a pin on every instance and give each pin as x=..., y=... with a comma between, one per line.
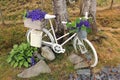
x=90, y=54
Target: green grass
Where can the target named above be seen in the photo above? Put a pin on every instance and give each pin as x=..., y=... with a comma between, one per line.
x=103, y=3
x=61, y=68
x=15, y=34
x=6, y=71
x=12, y=34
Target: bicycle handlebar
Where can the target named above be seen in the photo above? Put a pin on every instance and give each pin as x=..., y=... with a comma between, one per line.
x=86, y=15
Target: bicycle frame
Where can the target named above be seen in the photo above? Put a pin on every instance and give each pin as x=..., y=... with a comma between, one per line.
x=56, y=39
x=54, y=44
x=58, y=48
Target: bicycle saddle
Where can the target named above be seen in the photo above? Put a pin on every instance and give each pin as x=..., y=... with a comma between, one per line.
x=48, y=16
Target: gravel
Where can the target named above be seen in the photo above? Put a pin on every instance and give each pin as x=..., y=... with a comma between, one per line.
x=106, y=73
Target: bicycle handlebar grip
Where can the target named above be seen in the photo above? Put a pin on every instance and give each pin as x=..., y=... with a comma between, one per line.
x=86, y=15
x=64, y=22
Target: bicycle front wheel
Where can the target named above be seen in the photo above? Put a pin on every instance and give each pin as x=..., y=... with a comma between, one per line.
x=90, y=52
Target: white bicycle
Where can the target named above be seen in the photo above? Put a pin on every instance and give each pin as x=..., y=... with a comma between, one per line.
x=83, y=46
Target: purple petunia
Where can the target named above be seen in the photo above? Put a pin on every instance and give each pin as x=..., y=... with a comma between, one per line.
x=32, y=61
x=80, y=24
x=87, y=24
x=36, y=14
x=83, y=22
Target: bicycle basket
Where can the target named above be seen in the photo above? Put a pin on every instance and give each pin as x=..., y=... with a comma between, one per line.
x=82, y=34
x=34, y=24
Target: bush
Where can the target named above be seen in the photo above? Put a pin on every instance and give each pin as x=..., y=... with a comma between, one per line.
x=21, y=55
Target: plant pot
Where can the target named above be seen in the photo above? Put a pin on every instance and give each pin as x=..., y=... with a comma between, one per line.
x=82, y=34
x=36, y=38
x=34, y=24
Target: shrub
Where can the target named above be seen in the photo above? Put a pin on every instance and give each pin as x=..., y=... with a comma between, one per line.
x=21, y=55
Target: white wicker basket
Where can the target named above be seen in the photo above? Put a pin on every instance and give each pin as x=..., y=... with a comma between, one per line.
x=36, y=38
x=34, y=24
x=82, y=34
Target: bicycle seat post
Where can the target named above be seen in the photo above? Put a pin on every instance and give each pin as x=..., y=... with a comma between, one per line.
x=53, y=31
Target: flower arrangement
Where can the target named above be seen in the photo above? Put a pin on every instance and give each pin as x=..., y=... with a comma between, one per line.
x=34, y=19
x=79, y=24
x=36, y=14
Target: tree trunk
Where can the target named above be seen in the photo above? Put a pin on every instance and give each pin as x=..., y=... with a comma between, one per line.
x=93, y=14
x=60, y=10
x=85, y=6
x=90, y=7
x=2, y=18
x=111, y=4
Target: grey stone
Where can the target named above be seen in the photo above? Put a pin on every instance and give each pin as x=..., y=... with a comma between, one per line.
x=83, y=71
x=74, y=59
x=106, y=69
x=47, y=53
x=81, y=65
x=38, y=55
x=40, y=67
x=118, y=68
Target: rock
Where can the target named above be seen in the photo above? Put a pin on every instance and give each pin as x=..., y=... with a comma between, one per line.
x=106, y=69
x=83, y=71
x=47, y=53
x=81, y=65
x=71, y=77
x=118, y=68
x=40, y=67
x=38, y=55
x=74, y=59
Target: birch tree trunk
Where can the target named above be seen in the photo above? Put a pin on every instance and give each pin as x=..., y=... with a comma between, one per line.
x=60, y=10
x=90, y=7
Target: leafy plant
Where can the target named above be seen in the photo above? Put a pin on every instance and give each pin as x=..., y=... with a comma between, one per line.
x=21, y=55
x=79, y=24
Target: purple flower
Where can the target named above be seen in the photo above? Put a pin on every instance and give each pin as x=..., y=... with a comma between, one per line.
x=83, y=22
x=36, y=14
x=32, y=61
x=80, y=24
x=87, y=24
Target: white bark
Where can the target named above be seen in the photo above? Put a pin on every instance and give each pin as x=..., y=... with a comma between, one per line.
x=60, y=10
x=85, y=6
x=93, y=14
x=90, y=7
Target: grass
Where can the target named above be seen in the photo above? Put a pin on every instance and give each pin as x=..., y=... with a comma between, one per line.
x=14, y=34
x=60, y=67
x=108, y=49
x=9, y=35
x=103, y=3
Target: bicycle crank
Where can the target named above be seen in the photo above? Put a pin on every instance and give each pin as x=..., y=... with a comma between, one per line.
x=58, y=48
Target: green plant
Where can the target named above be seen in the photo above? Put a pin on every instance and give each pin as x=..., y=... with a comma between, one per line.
x=79, y=24
x=21, y=55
